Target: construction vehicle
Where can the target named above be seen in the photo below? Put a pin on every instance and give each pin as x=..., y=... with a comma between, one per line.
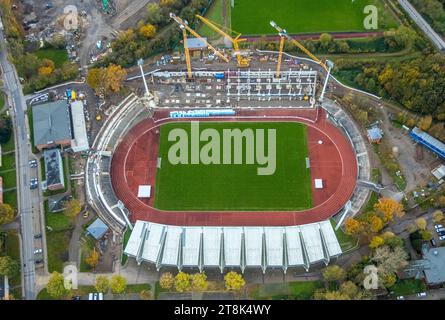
x=243, y=62
x=283, y=36
x=183, y=24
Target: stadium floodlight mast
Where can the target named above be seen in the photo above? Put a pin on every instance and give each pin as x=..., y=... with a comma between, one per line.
x=140, y=63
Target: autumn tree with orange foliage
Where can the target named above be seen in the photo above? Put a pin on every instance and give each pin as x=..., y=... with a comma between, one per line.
x=352, y=226
x=389, y=208
x=93, y=259
x=375, y=223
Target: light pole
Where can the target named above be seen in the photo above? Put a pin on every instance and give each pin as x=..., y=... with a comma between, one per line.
x=140, y=63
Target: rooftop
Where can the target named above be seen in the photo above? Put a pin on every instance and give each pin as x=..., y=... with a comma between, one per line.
x=51, y=122
x=196, y=43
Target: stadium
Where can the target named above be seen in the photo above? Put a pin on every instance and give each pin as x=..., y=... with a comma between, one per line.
x=208, y=216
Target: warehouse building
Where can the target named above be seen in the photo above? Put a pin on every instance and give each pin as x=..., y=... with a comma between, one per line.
x=51, y=125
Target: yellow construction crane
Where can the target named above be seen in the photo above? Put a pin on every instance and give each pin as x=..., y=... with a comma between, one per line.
x=243, y=62
x=183, y=24
x=283, y=36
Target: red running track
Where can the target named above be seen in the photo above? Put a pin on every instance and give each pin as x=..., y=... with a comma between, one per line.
x=134, y=163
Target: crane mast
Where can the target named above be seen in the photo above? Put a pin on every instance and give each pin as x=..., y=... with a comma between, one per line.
x=183, y=24
x=242, y=61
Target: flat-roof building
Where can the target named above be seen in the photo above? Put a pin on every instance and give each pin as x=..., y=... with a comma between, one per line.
x=80, y=141
x=53, y=169
x=51, y=125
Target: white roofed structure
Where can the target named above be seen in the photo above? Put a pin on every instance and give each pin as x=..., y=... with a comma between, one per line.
x=233, y=247
x=80, y=141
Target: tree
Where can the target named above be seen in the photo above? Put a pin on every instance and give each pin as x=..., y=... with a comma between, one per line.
x=7, y=213
x=426, y=235
x=154, y=15
x=166, y=281
x=333, y=273
x=145, y=295
x=389, y=260
x=47, y=67
x=421, y=223
x=389, y=207
x=72, y=208
x=199, y=282
x=376, y=223
x=58, y=41
x=425, y=123
x=325, y=39
x=96, y=80
x=55, y=286
x=5, y=128
x=441, y=201
x=182, y=282
x=93, y=259
x=115, y=76
x=147, y=31
x=234, y=281
x=102, y=284
x=9, y=267
x=352, y=226
x=376, y=242
x=437, y=216
x=118, y=284
x=389, y=280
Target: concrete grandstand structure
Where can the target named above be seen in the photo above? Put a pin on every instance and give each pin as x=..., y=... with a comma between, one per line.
x=258, y=240
x=233, y=247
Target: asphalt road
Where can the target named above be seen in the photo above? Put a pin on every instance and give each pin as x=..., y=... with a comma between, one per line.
x=14, y=90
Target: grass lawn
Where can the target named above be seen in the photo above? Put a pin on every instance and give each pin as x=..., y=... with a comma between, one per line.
x=2, y=100
x=346, y=242
x=86, y=247
x=8, y=162
x=9, y=179
x=215, y=14
x=305, y=16
x=10, y=145
x=208, y=187
x=81, y=291
x=10, y=197
x=298, y=290
x=58, y=56
x=127, y=235
x=407, y=287
x=57, y=246
x=13, y=250
x=57, y=220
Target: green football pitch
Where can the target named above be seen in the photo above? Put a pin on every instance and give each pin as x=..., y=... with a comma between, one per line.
x=236, y=187
x=252, y=17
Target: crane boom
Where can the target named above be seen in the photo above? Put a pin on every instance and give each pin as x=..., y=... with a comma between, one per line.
x=283, y=33
x=187, y=54
x=242, y=62
x=184, y=25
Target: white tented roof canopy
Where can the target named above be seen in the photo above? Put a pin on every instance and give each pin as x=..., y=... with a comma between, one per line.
x=229, y=247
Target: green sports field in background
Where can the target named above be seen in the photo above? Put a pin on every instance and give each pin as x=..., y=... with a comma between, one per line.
x=237, y=187
x=251, y=17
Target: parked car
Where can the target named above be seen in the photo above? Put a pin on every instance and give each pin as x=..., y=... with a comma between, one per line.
x=33, y=163
x=433, y=242
x=38, y=261
x=441, y=233
x=437, y=226
x=86, y=214
x=400, y=298
x=37, y=251
x=440, y=229
x=37, y=236
x=441, y=238
x=421, y=294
